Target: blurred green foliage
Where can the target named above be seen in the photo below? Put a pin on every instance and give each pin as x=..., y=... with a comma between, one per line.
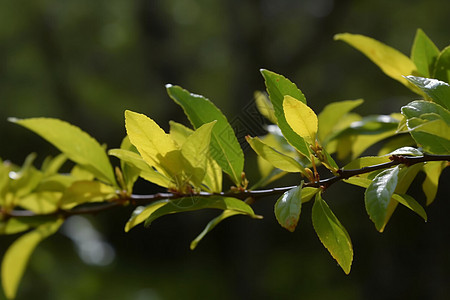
x=88, y=61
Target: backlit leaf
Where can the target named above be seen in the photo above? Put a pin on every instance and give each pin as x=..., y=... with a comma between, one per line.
x=332, y=234
x=332, y=114
x=433, y=170
x=279, y=86
x=196, y=203
x=442, y=67
x=155, y=146
x=73, y=142
x=265, y=107
x=288, y=207
x=277, y=159
x=392, y=62
x=141, y=213
x=145, y=171
x=301, y=118
x=424, y=53
x=195, y=151
x=86, y=191
x=411, y=203
x=225, y=148
x=212, y=224
x=17, y=256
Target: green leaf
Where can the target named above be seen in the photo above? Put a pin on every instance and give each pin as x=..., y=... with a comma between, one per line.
x=141, y=213
x=265, y=107
x=424, y=53
x=301, y=118
x=411, y=203
x=332, y=234
x=212, y=224
x=437, y=127
x=332, y=114
x=366, y=161
x=278, y=87
x=433, y=170
x=179, y=132
x=18, y=254
x=225, y=148
x=308, y=193
x=277, y=159
x=437, y=90
x=196, y=203
x=86, y=191
x=195, y=151
x=418, y=108
x=442, y=67
x=41, y=202
x=73, y=142
x=392, y=62
x=146, y=172
x=287, y=208
x=155, y=146
x=379, y=194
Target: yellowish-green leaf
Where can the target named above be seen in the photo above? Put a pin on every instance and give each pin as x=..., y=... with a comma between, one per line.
x=332, y=234
x=86, y=191
x=18, y=254
x=179, y=133
x=391, y=61
x=141, y=213
x=146, y=172
x=411, y=203
x=73, y=142
x=433, y=170
x=155, y=146
x=301, y=118
x=41, y=202
x=424, y=53
x=265, y=107
x=332, y=114
x=277, y=159
x=195, y=151
x=212, y=224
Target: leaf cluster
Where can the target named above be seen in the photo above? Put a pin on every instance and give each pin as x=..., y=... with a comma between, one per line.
x=190, y=162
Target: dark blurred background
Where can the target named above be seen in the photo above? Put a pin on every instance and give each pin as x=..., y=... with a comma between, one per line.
x=87, y=61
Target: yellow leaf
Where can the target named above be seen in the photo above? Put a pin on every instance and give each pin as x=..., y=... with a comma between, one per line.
x=155, y=146
x=17, y=256
x=391, y=61
x=301, y=118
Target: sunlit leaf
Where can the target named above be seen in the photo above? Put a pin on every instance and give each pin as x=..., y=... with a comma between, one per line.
x=332, y=114
x=278, y=87
x=437, y=90
x=277, y=159
x=265, y=107
x=332, y=234
x=155, y=146
x=287, y=208
x=424, y=53
x=212, y=224
x=392, y=62
x=196, y=203
x=41, y=202
x=225, y=148
x=73, y=142
x=141, y=213
x=139, y=163
x=17, y=256
x=407, y=151
x=379, y=194
x=301, y=118
x=442, y=67
x=411, y=203
x=195, y=151
x=86, y=191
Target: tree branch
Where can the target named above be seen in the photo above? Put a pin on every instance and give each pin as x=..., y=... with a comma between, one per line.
x=240, y=194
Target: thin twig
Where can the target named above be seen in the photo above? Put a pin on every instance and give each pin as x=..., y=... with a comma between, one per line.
x=240, y=194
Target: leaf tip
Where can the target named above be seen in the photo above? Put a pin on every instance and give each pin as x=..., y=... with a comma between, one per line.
x=13, y=119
